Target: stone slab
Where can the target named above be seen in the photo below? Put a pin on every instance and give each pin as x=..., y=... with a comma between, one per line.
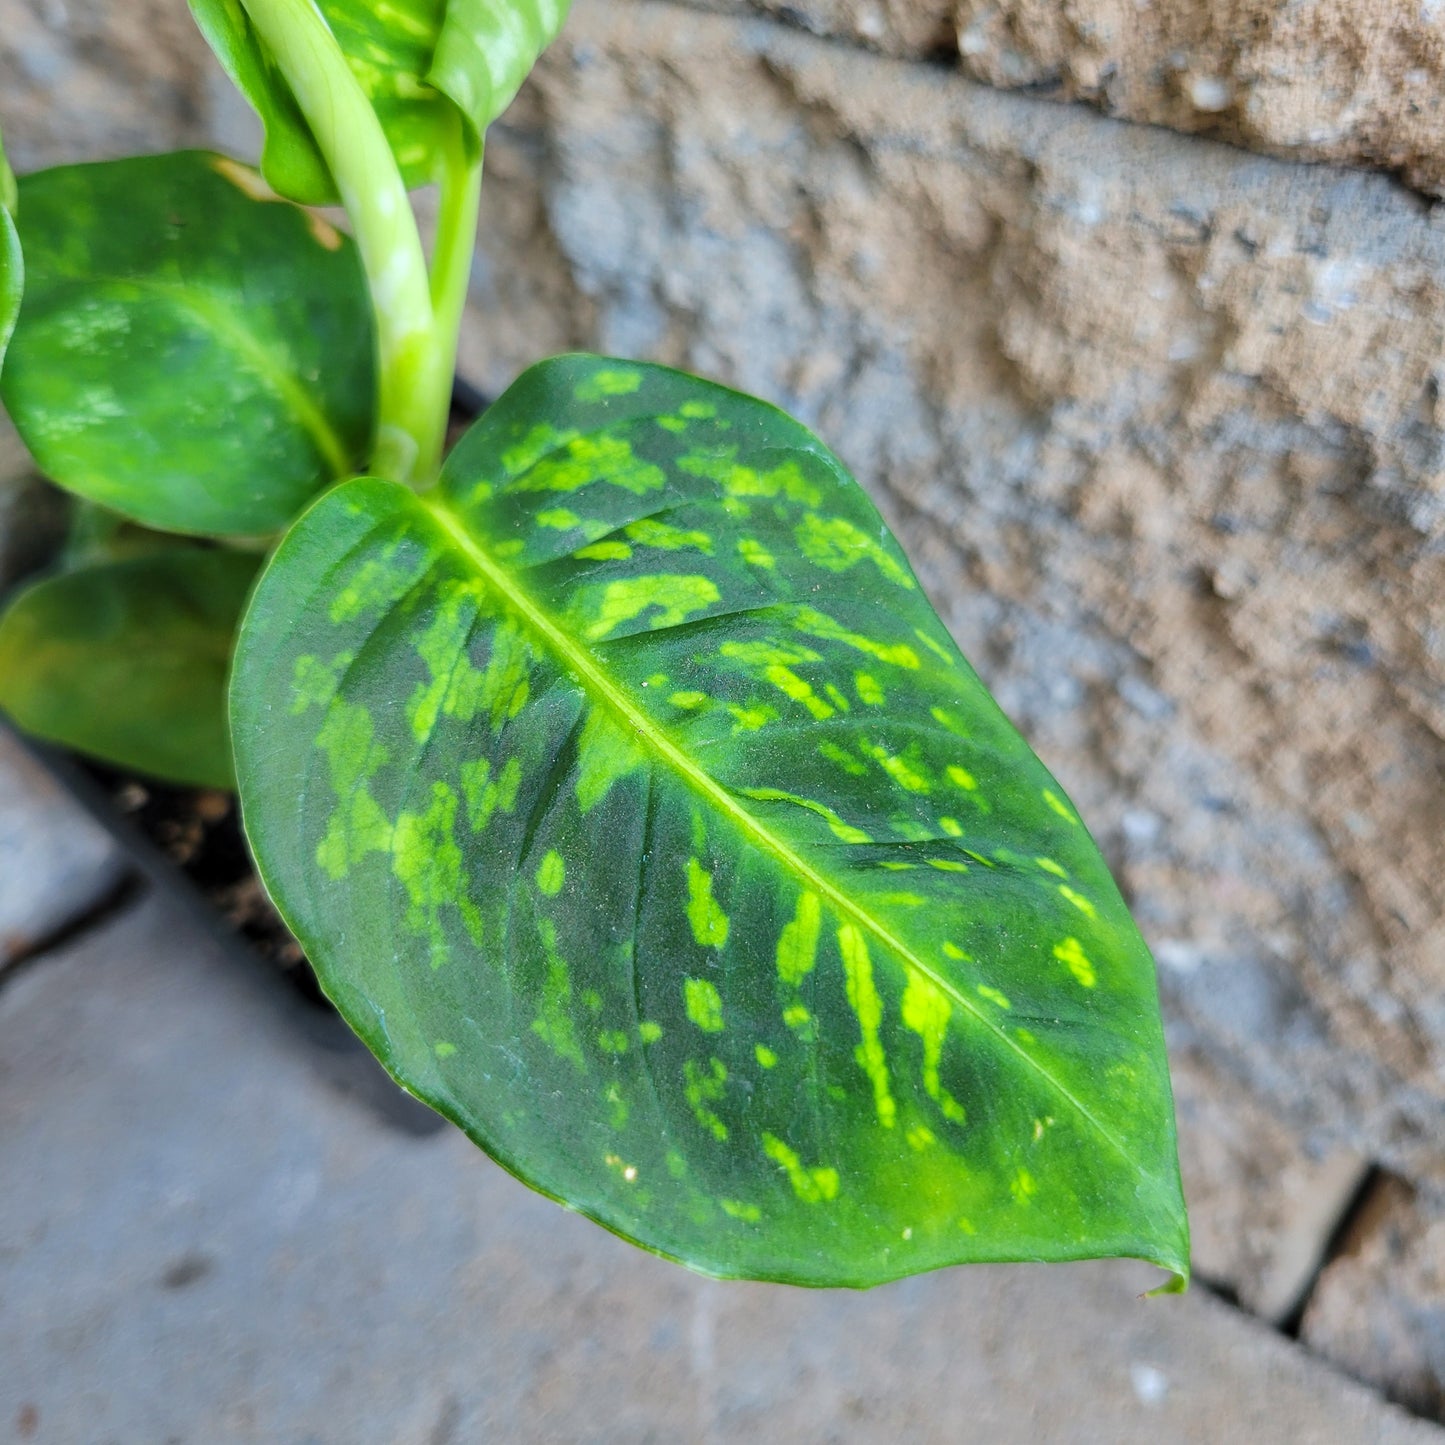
x=202, y=1242
x=56, y=861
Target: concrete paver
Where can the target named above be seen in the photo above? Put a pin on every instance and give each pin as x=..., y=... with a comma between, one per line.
x=56, y=862
x=203, y=1241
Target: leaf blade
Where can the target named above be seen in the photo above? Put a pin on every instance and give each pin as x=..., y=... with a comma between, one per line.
x=662, y=696
x=187, y=353
x=127, y=661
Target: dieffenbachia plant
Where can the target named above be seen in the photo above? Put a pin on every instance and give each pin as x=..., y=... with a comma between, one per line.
x=628, y=796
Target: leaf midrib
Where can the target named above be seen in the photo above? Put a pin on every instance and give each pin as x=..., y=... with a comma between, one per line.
x=595, y=679
x=293, y=396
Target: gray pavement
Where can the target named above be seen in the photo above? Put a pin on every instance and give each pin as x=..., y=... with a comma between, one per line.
x=205, y=1238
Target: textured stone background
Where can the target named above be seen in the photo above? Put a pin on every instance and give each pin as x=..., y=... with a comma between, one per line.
x=1159, y=420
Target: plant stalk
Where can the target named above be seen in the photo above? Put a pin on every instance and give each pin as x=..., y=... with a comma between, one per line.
x=414, y=372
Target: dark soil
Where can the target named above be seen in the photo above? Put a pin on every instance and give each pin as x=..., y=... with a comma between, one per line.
x=199, y=830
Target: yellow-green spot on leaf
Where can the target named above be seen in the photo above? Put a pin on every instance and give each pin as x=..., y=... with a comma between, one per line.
x=702, y=1088
x=709, y=922
x=898, y=767
x=750, y=719
x=605, y=754
x=837, y=698
x=893, y=865
x=525, y=454
x=427, y=862
x=1023, y=1186
x=920, y=1136
x=649, y=532
x=812, y=1186
x=759, y=655
x=867, y=1006
x=843, y=758
x=766, y=1058
x=698, y=410
x=1059, y=806
x=951, y=826
x=798, y=945
x=835, y=543
x=613, y=382
x=926, y=1011
x=844, y=832
x=676, y=1164
x=1071, y=954
x=795, y=688
x=736, y=1209
x=797, y=1018
x=1049, y=866
x=934, y=646
x=947, y=865
x=374, y=585
x=675, y=596
x=357, y=826
x=754, y=553
x=454, y=687
x=994, y=996
x=592, y=1000
x=649, y=1032
x=558, y=518
x=952, y=950
x=485, y=796
x=553, y=1025
x=612, y=1041
x=600, y=456
x=963, y=778
x=673, y=424
x=605, y=552
x=719, y=464
x=688, y=701
x=703, y=1004
x=1084, y=905
x=314, y=683
x=617, y=1112
x=946, y=719
x=901, y=899
x=817, y=624
x=868, y=689
x=443, y=1050
x=551, y=874
x=512, y=547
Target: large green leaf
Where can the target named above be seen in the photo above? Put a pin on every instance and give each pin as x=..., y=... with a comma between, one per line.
x=188, y=354
x=420, y=62
x=638, y=811
x=127, y=661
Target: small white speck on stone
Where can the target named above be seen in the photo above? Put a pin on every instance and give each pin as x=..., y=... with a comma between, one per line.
x=1150, y=1383
x=1209, y=93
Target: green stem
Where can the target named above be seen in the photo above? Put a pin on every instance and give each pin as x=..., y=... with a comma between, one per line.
x=414, y=382
x=460, y=200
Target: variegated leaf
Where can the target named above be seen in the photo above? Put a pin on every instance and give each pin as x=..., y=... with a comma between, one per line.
x=190, y=352
x=127, y=660
x=420, y=62
x=638, y=811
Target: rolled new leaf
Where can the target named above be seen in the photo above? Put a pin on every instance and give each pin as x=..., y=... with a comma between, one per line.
x=638, y=811
x=190, y=351
x=12, y=263
x=127, y=661
x=420, y=65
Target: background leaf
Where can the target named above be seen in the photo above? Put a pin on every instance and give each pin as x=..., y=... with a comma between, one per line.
x=127, y=661
x=418, y=61
x=194, y=357
x=638, y=811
